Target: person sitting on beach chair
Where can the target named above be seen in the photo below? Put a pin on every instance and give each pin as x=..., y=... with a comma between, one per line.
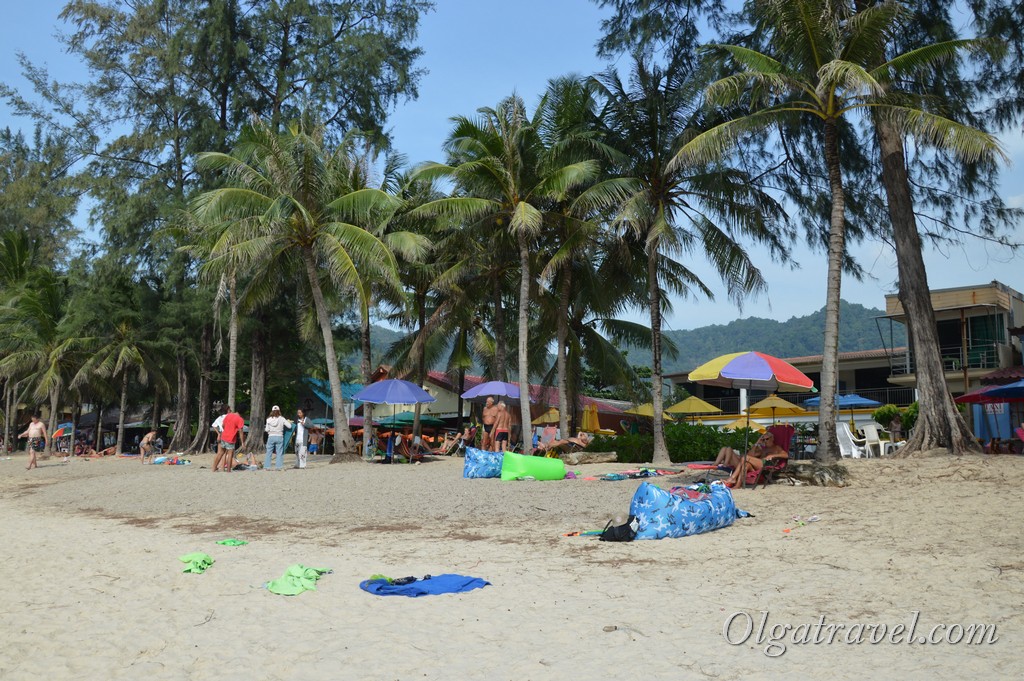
x=764, y=452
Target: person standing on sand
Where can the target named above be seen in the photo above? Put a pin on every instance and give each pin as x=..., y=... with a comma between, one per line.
x=275, y=427
x=147, y=445
x=37, y=439
x=218, y=427
x=232, y=427
x=489, y=417
x=303, y=426
x=502, y=427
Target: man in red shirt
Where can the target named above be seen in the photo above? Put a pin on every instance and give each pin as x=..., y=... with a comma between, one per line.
x=232, y=427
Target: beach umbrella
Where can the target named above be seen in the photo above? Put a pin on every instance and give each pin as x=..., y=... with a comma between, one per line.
x=751, y=371
x=590, y=421
x=492, y=389
x=550, y=416
x=641, y=410
x=693, y=405
x=851, y=401
x=393, y=391
x=62, y=431
x=1008, y=392
x=743, y=423
x=406, y=418
x=778, y=407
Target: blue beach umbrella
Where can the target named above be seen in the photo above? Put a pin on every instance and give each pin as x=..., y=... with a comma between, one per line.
x=851, y=402
x=1010, y=391
x=492, y=389
x=393, y=391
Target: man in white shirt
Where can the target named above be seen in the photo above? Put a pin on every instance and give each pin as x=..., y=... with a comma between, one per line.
x=275, y=427
x=218, y=425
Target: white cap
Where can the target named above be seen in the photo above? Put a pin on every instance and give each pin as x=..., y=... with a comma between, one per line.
x=275, y=408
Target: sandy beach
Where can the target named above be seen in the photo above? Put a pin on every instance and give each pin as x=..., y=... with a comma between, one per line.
x=95, y=589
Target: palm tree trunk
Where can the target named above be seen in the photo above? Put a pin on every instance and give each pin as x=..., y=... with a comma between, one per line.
x=258, y=388
x=202, y=437
x=939, y=423
x=119, y=447
x=660, y=454
x=366, y=367
x=561, y=333
x=828, y=442
x=99, y=427
x=182, y=417
x=9, y=413
x=500, y=354
x=232, y=344
x=344, y=445
x=54, y=397
x=524, y=339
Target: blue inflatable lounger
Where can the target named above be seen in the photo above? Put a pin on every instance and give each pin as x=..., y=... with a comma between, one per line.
x=482, y=464
x=662, y=514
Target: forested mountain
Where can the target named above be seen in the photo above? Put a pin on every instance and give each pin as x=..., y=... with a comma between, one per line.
x=795, y=337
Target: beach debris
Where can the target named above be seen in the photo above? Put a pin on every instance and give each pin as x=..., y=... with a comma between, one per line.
x=196, y=563
x=232, y=542
x=296, y=579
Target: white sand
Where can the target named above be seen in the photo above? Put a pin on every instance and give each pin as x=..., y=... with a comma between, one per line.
x=94, y=590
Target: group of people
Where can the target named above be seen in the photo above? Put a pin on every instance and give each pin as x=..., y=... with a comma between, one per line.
x=230, y=427
x=497, y=421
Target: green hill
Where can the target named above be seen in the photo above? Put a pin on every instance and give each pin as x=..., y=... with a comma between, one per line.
x=796, y=337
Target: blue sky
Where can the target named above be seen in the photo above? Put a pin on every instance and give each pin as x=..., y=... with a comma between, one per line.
x=479, y=51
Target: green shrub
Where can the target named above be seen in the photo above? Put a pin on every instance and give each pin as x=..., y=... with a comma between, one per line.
x=685, y=442
x=910, y=417
x=885, y=414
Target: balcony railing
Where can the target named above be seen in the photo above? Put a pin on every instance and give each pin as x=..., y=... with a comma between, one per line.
x=954, y=358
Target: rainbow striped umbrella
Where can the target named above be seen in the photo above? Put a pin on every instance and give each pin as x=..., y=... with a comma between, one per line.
x=753, y=371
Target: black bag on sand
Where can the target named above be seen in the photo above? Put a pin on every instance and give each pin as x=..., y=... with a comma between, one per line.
x=624, y=532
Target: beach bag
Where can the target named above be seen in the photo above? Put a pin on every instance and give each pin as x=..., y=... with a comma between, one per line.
x=623, y=532
x=482, y=464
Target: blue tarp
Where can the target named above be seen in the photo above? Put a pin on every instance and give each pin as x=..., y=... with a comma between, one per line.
x=662, y=514
x=428, y=586
x=482, y=464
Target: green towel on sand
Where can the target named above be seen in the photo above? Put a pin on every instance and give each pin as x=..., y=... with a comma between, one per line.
x=197, y=562
x=232, y=542
x=297, y=578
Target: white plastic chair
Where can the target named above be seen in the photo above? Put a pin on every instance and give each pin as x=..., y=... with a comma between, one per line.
x=872, y=440
x=849, y=446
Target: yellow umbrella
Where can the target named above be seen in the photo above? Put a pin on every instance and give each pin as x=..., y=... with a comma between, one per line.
x=550, y=416
x=777, y=406
x=743, y=423
x=590, y=421
x=646, y=410
x=693, y=405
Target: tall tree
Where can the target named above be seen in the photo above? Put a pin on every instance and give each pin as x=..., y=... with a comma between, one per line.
x=677, y=209
x=817, y=68
x=287, y=204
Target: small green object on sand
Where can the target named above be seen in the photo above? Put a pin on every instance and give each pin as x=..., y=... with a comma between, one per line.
x=296, y=579
x=232, y=542
x=196, y=562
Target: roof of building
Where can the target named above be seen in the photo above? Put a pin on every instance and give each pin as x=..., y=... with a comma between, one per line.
x=1003, y=376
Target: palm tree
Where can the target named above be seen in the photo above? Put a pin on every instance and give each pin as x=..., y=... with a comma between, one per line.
x=38, y=354
x=289, y=203
x=124, y=352
x=822, y=66
x=676, y=209
x=510, y=181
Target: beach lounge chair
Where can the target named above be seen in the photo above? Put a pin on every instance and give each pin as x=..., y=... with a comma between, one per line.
x=783, y=435
x=874, y=442
x=849, y=446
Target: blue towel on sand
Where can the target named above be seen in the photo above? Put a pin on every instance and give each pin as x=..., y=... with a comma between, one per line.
x=437, y=584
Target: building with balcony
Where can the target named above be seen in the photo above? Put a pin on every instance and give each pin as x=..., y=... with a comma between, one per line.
x=977, y=327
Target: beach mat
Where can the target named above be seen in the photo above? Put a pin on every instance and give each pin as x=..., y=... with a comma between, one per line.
x=431, y=585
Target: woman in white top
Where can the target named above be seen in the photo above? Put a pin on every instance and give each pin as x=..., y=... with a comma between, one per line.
x=275, y=427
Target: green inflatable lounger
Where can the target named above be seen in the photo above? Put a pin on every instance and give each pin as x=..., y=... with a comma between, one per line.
x=515, y=466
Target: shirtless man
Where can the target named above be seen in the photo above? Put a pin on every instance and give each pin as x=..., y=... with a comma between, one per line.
x=37, y=439
x=490, y=415
x=502, y=428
